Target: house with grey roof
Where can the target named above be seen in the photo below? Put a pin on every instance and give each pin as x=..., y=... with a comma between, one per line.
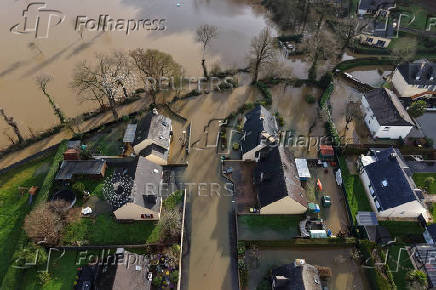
x=145, y=200
x=297, y=275
x=415, y=80
x=384, y=115
x=150, y=137
x=377, y=33
x=260, y=133
x=375, y=6
x=278, y=185
x=389, y=186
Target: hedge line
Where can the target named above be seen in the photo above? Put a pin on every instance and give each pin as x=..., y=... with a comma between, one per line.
x=349, y=64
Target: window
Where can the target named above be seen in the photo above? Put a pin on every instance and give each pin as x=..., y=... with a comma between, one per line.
x=369, y=39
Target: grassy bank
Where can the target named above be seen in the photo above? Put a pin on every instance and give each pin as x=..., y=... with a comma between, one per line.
x=105, y=230
x=14, y=204
x=356, y=195
x=419, y=179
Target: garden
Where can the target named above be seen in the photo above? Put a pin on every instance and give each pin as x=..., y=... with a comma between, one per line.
x=356, y=195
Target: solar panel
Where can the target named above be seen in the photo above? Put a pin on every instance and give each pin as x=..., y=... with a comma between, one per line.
x=366, y=218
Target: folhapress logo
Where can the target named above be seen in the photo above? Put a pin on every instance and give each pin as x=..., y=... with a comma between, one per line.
x=38, y=20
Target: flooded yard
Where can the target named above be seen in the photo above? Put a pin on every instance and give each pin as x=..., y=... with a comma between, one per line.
x=347, y=274
x=427, y=123
x=336, y=218
x=372, y=75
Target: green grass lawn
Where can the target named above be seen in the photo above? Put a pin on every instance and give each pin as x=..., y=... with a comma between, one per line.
x=63, y=270
x=105, y=230
x=416, y=11
x=14, y=206
x=419, y=179
x=356, y=195
x=268, y=227
x=110, y=140
x=404, y=231
x=401, y=267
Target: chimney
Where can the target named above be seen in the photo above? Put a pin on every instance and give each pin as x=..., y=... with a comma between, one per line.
x=155, y=112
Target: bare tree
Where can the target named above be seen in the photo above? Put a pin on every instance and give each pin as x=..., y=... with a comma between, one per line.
x=46, y=222
x=42, y=82
x=205, y=34
x=318, y=46
x=153, y=66
x=347, y=29
x=11, y=122
x=107, y=80
x=262, y=52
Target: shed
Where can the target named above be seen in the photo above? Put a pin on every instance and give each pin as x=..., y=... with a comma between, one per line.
x=72, y=154
x=318, y=234
x=302, y=168
x=326, y=152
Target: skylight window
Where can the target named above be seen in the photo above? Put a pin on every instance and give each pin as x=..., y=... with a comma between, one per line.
x=384, y=183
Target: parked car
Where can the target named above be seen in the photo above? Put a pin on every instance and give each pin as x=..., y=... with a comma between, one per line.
x=326, y=201
x=149, y=276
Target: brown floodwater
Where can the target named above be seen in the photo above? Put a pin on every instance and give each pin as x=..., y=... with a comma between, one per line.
x=23, y=57
x=346, y=273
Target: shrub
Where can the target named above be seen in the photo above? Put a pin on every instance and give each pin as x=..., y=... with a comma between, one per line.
x=174, y=276
x=125, y=118
x=46, y=222
x=44, y=277
x=79, y=188
x=312, y=73
x=325, y=80
x=419, y=277
x=417, y=108
x=310, y=99
x=170, y=225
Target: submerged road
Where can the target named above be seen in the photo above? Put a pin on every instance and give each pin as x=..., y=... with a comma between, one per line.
x=210, y=262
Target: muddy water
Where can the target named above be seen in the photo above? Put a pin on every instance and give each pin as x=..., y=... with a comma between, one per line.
x=346, y=274
x=209, y=264
x=372, y=75
x=23, y=57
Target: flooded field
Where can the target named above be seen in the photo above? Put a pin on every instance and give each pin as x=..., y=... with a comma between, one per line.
x=346, y=273
x=427, y=123
x=23, y=57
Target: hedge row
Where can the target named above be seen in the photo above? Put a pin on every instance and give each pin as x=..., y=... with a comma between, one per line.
x=352, y=63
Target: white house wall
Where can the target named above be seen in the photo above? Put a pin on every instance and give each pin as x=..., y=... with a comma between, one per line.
x=377, y=131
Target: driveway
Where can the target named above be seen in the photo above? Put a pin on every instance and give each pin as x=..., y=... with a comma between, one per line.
x=242, y=178
x=336, y=217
